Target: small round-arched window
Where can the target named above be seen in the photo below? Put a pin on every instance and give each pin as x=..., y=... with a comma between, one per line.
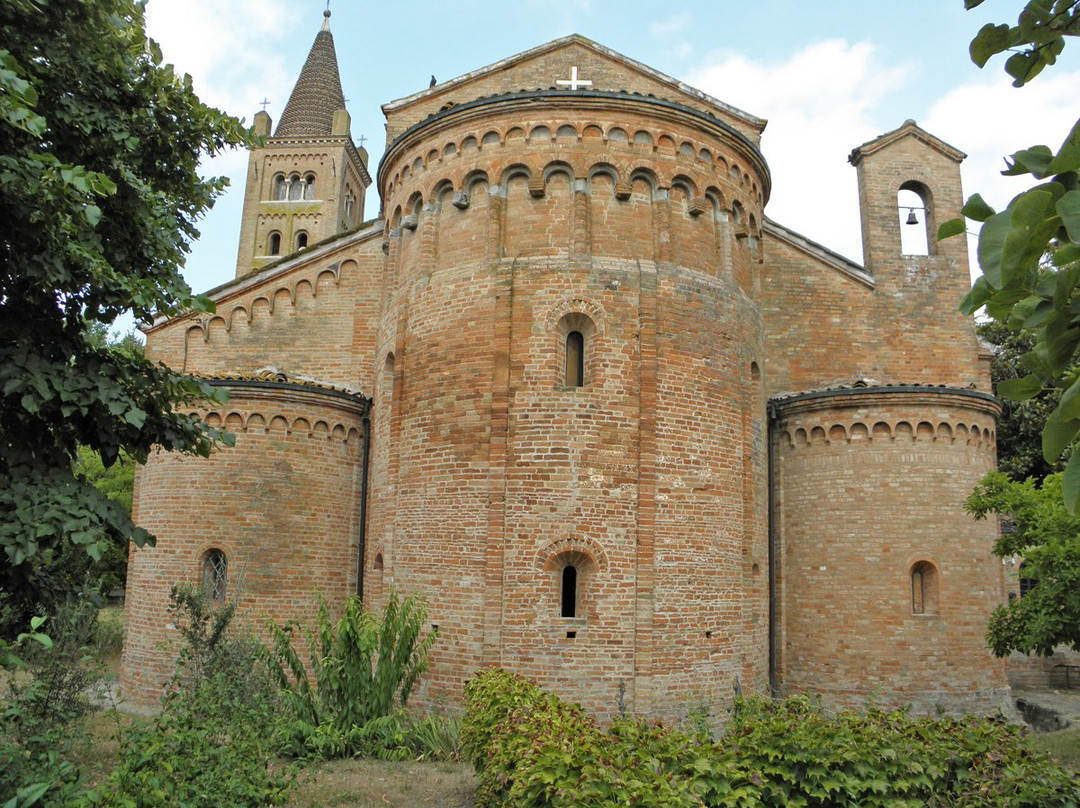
x=301, y=240
x=215, y=575
x=578, y=333
x=309, y=186
x=574, y=572
x=924, y=588
x=274, y=243
x=575, y=359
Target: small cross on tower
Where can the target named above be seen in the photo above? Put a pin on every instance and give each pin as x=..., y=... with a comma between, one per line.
x=574, y=82
x=264, y=103
x=362, y=139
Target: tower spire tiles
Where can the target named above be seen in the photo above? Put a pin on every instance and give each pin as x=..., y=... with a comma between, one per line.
x=306, y=183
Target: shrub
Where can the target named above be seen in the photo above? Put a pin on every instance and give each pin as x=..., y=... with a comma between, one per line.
x=38, y=726
x=804, y=756
x=533, y=751
x=211, y=745
x=490, y=696
x=364, y=669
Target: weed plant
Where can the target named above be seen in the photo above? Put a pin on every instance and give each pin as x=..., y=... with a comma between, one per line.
x=365, y=667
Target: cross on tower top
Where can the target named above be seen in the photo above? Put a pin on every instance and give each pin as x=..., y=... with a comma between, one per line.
x=574, y=82
x=362, y=139
x=264, y=103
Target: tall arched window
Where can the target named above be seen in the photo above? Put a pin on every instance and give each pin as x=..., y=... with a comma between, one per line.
x=301, y=240
x=913, y=211
x=296, y=187
x=274, y=245
x=281, y=188
x=215, y=575
x=924, y=588
x=309, y=186
x=568, y=591
x=575, y=359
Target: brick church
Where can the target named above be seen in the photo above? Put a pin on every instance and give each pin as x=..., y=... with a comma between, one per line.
x=624, y=433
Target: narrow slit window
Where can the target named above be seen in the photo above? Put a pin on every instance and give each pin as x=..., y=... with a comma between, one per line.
x=924, y=588
x=918, y=593
x=309, y=186
x=569, y=591
x=275, y=243
x=215, y=576
x=301, y=240
x=575, y=359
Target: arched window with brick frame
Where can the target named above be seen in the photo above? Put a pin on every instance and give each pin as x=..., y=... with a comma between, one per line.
x=924, y=588
x=215, y=575
x=577, y=333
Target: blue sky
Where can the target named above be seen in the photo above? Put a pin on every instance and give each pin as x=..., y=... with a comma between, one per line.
x=828, y=75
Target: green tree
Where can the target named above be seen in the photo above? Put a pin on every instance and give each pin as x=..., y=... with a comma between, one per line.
x=1047, y=535
x=1018, y=288
x=100, y=195
x=1019, y=432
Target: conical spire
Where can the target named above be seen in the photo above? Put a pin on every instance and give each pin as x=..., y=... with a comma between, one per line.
x=317, y=94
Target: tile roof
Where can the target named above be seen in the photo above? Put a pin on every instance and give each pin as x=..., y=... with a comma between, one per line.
x=317, y=94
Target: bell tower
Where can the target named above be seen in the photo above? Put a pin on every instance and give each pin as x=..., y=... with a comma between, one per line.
x=306, y=182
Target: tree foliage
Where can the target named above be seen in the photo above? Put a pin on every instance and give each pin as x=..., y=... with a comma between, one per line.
x=1018, y=288
x=1047, y=536
x=1019, y=431
x=99, y=195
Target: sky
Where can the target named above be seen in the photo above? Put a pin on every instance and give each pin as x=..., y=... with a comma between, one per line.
x=828, y=75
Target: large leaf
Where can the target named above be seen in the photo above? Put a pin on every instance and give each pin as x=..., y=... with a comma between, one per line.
x=1070, y=483
x=1058, y=433
x=991, y=241
x=991, y=39
x=1068, y=207
x=1020, y=389
x=977, y=209
x=1068, y=156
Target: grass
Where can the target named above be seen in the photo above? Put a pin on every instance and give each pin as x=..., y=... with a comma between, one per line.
x=380, y=784
x=1063, y=746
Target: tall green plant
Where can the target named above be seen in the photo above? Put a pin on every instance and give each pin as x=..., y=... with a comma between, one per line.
x=211, y=745
x=364, y=668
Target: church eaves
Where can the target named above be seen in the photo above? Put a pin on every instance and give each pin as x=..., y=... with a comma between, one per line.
x=317, y=94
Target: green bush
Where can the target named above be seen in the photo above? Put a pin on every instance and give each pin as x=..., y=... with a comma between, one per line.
x=42, y=705
x=212, y=743
x=807, y=757
x=530, y=750
x=364, y=670
x=490, y=696
x=533, y=751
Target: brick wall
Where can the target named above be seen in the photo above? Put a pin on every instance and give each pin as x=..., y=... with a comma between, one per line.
x=282, y=505
x=871, y=483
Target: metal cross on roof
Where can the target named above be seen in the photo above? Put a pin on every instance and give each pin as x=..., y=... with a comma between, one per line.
x=574, y=82
x=264, y=103
x=362, y=139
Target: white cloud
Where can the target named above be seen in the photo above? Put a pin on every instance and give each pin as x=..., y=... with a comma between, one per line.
x=671, y=26
x=992, y=119
x=820, y=103
x=226, y=46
